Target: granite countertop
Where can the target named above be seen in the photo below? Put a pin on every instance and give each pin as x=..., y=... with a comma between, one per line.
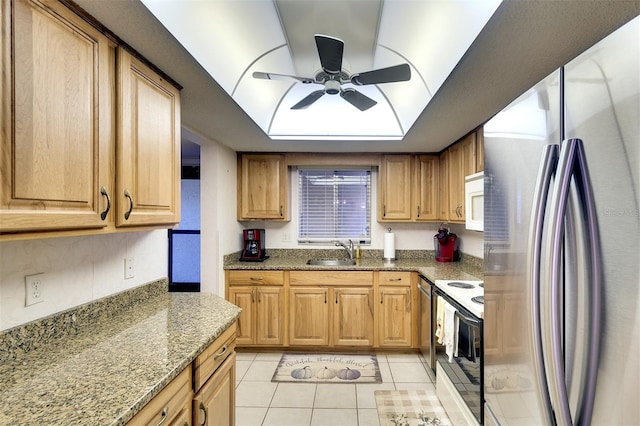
x=104, y=371
x=423, y=262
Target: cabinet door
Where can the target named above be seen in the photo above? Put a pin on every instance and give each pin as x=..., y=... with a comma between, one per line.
x=513, y=333
x=309, y=316
x=395, y=188
x=215, y=403
x=443, y=186
x=171, y=406
x=492, y=333
x=262, y=181
x=395, y=316
x=148, y=154
x=244, y=297
x=480, y=149
x=56, y=97
x=353, y=316
x=269, y=315
x=462, y=162
x=426, y=188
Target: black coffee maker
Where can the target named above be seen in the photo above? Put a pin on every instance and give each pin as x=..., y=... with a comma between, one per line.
x=253, y=247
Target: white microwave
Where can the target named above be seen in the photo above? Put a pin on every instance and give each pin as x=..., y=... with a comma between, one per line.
x=474, y=201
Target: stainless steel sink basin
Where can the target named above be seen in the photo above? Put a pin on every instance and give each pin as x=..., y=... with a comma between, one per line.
x=331, y=262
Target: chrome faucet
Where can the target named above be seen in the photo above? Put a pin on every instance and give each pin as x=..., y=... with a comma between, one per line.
x=349, y=248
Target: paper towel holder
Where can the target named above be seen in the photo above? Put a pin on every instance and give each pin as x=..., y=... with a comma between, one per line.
x=389, y=252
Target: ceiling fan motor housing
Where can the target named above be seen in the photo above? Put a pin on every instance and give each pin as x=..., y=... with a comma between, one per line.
x=332, y=87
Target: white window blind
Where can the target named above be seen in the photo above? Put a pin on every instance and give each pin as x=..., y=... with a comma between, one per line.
x=334, y=205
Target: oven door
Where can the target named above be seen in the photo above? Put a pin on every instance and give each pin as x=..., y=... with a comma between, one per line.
x=465, y=371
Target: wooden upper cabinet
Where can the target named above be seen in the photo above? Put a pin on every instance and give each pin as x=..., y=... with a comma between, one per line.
x=461, y=163
x=262, y=187
x=480, y=149
x=148, y=154
x=425, y=188
x=395, y=188
x=408, y=188
x=57, y=93
x=443, y=186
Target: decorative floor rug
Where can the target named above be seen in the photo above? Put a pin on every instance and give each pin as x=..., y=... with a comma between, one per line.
x=410, y=408
x=328, y=368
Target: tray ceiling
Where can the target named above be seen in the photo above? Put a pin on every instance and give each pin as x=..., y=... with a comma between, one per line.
x=521, y=44
x=232, y=39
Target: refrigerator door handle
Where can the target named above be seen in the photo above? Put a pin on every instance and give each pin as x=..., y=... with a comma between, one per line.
x=543, y=181
x=558, y=207
x=572, y=165
x=594, y=286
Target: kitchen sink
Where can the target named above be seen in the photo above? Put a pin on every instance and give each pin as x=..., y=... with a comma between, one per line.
x=331, y=262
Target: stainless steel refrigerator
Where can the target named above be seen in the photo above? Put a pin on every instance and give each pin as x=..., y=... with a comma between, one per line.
x=562, y=239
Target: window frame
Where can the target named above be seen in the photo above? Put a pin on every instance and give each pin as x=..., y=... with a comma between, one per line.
x=323, y=240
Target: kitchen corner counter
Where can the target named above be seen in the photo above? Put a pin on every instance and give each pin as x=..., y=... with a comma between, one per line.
x=409, y=260
x=106, y=370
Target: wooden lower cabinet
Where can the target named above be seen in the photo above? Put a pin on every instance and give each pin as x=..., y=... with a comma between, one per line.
x=331, y=316
x=215, y=402
x=352, y=316
x=309, y=316
x=395, y=317
x=395, y=309
x=332, y=309
x=172, y=406
x=260, y=294
x=504, y=336
x=202, y=394
x=262, y=319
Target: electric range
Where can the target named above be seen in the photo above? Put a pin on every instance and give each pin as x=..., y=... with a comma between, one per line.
x=459, y=378
x=469, y=294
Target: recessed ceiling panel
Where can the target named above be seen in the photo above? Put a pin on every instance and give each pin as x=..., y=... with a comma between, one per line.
x=232, y=39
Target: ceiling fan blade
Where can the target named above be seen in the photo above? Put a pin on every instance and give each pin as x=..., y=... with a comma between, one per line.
x=274, y=76
x=383, y=75
x=309, y=99
x=357, y=99
x=330, y=51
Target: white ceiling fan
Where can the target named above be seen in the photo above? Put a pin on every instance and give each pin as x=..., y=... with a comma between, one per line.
x=332, y=76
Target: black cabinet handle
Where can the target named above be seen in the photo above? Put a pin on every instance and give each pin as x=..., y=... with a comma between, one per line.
x=104, y=192
x=128, y=213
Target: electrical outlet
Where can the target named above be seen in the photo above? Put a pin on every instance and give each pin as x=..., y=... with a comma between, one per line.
x=33, y=286
x=128, y=268
x=286, y=237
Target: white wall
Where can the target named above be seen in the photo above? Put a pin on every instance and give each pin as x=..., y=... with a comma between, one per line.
x=77, y=270
x=219, y=230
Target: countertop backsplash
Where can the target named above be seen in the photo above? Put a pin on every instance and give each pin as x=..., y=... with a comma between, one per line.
x=32, y=335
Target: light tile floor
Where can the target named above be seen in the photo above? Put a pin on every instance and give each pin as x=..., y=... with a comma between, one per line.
x=260, y=402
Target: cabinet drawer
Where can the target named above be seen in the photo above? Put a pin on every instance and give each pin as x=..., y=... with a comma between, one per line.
x=256, y=277
x=394, y=278
x=358, y=278
x=172, y=403
x=209, y=360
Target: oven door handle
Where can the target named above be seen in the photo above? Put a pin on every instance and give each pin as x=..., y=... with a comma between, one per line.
x=467, y=320
x=461, y=313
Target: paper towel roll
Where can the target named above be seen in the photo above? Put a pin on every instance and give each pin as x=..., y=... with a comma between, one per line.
x=389, y=246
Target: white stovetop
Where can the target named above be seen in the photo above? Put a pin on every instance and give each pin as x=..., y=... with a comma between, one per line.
x=463, y=295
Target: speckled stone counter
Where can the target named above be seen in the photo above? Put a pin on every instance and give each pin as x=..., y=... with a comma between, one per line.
x=105, y=370
x=469, y=268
